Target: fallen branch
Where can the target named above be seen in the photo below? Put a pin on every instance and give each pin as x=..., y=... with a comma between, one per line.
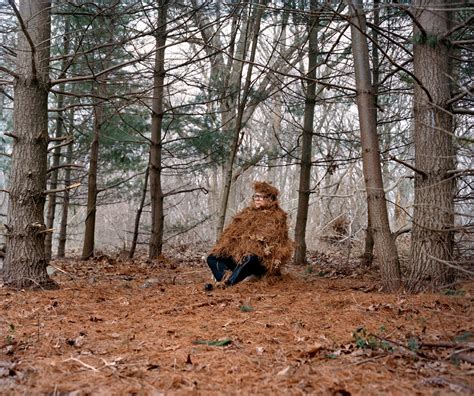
x=417, y=354
x=192, y=306
x=461, y=355
x=81, y=362
x=468, y=346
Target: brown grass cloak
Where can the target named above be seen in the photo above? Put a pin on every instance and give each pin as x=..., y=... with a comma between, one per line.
x=259, y=231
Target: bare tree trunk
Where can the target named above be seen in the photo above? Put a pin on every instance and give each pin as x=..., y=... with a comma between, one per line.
x=385, y=247
x=53, y=184
x=255, y=22
x=25, y=260
x=138, y=216
x=433, y=215
x=89, y=233
x=368, y=255
x=156, y=192
x=65, y=206
x=99, y=112
x=306, y=144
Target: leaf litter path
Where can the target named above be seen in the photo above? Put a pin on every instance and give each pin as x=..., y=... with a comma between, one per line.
x=119, y=327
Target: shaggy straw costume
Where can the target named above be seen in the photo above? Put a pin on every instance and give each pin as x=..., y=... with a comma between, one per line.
x=262, y=232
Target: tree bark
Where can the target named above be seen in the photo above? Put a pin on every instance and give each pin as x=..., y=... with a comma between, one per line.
x=89, y=233
x=385, y=247
x=65, y=205
x=306, y=143
x=25, y=261
x=136, y=228
x=433, y=215
x=53, y=184
x=156, y=191
x=368, y=255
x=99, y=114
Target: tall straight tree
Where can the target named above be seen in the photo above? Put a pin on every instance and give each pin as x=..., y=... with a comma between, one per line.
x=99, y=124
x=306, y=142
x=385, y=248
x=92, y=191
x=54, y=175
x=156, y=145
x=433, y=214
x=62, y=237
x=25, y=260
x=368, y=255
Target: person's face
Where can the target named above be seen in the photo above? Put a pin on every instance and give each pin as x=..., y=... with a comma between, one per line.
x=260, y=200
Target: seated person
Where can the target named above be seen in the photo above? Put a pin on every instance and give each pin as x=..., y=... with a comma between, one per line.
x=256, y=241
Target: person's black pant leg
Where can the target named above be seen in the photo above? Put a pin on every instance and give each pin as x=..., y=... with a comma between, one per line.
x=250, y=265
x=218, y=265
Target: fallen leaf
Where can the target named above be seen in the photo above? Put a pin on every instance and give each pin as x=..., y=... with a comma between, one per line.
x=284, y=371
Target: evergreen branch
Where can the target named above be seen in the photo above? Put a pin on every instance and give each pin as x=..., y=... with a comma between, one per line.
x=94, y=76
x=412, y=17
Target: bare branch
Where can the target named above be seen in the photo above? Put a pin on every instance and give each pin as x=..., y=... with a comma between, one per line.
x=53, y=168
x=175, y=192
x=459, y=110
x=8, y=71
x=119, y=182
x=58, y=190
x=422, y=173
x=459, y=172
x=6, y=94
x=403, y=230
x=66, y=143
x=10, y=135
x=27, y=35
x=59, y=139
x=466, y=23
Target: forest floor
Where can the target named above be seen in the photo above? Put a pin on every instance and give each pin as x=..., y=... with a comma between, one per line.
x=120, y=327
